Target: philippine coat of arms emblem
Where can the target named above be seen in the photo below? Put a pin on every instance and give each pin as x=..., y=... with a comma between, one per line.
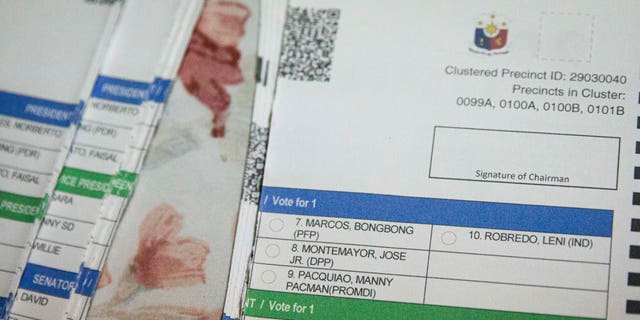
x=490, y=35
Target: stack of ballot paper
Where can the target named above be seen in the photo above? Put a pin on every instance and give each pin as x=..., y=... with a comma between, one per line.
x=436, y=160
x=50, y=56
x=170, y=257
x=105, y=69
x=271, y=22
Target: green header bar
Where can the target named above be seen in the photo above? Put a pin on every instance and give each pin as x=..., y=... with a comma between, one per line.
x=20, y=208
x=122, y=184
x=95, y=185
x=280, y=305
x=84, y=183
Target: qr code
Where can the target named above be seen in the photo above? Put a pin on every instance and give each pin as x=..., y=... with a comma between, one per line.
x=308, y=42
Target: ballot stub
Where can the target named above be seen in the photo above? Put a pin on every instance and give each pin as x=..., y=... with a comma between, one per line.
x=467, y=160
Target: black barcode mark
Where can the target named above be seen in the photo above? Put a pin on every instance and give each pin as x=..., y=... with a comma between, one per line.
x=636, y=199
x=633, y=307
x=633, y=278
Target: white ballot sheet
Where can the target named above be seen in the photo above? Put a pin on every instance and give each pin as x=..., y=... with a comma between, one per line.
x=467, y=160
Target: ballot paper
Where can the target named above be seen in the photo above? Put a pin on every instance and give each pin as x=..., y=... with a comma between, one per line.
x=272, y=14
x=180, y=17
x=116, y=111
x=437, y=160
x=50, y=51
x=149, y=274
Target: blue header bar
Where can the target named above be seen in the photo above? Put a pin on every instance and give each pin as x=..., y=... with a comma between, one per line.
x=87, y=281
x=462, y=213
x=120, y=90
x=38, y=110
x=3, y=307
x=160, y=89
x=49, y=281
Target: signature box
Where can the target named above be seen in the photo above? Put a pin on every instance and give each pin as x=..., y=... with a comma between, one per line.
x=520, y=157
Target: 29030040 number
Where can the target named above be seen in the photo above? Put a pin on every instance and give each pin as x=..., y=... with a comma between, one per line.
x=597, y=78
